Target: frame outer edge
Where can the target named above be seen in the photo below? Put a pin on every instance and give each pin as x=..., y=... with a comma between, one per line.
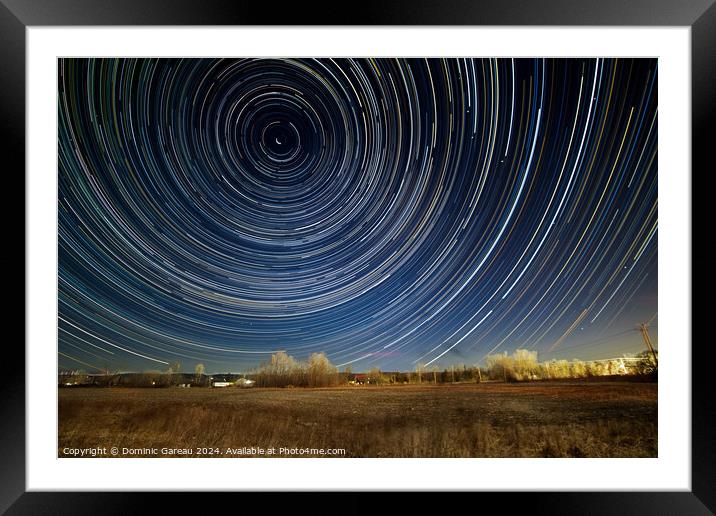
x=703, y=133
x=12, y=143
x=366, y=12
x=12, y=102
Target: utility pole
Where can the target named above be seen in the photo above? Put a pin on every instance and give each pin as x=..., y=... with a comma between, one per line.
x=647, y=341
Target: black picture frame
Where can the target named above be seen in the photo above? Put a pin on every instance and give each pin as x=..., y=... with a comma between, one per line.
x=17, y=15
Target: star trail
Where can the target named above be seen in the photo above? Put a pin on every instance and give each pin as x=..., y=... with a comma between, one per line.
x=387, y=212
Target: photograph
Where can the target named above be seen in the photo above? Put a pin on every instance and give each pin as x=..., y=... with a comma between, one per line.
x=357, y=257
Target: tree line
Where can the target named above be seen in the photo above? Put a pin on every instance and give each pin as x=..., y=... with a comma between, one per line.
x=283, y=370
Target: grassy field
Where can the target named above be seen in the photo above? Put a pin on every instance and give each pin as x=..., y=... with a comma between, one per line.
x=545, y=419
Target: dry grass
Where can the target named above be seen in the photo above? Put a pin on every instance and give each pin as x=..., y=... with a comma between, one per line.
x=486, y=420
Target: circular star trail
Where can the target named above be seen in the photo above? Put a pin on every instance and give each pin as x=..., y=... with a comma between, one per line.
x=388, y=212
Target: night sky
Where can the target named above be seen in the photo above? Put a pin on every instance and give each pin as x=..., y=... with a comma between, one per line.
x=387, y=212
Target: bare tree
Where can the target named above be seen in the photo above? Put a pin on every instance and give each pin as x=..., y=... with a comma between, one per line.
x=347, y=372
x=375, y=376
x=419, y=371
x=172, y=371
x=321, y=372
x=281, y=371
x=525, y=364
x=198, y=372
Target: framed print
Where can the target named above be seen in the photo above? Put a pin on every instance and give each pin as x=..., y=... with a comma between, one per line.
x=418, y=250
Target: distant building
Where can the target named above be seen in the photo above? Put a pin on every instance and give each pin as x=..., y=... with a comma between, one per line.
x=222, y=380
x=359, y=379
x=245, y=382
x=221, y=384
x=229, y=379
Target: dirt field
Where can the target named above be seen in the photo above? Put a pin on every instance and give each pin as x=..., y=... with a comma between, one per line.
x=485, y=420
